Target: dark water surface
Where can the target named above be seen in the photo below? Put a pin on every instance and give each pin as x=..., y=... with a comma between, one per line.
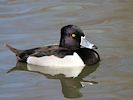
x=31, y=23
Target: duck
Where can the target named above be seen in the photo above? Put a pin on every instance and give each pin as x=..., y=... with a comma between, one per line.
x=73, y=50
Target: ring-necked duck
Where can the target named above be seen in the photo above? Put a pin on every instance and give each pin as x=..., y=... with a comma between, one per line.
x=67, y=54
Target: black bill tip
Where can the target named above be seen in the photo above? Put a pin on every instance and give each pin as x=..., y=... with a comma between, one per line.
x=94, y=47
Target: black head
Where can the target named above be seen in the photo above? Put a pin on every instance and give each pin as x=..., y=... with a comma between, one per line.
x=70, y=37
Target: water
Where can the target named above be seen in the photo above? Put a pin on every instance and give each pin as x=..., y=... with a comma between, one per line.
x=31, y=23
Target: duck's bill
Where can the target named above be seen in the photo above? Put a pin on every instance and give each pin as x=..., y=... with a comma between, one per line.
x=87, y=44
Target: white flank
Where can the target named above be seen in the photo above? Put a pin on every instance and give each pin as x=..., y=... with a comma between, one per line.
x=53, y=61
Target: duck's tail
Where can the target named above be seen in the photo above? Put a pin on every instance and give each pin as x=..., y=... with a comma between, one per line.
x=16, y=51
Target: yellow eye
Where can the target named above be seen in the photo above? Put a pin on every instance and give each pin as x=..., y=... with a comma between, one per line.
x=73, y=35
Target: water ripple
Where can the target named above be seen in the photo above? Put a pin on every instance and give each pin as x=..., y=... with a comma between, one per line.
x=12, y=36
x=21, y=9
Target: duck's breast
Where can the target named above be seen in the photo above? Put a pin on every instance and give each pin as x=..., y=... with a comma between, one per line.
x=88, y=56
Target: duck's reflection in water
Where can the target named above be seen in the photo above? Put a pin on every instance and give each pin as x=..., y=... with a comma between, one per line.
x=71, y=78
